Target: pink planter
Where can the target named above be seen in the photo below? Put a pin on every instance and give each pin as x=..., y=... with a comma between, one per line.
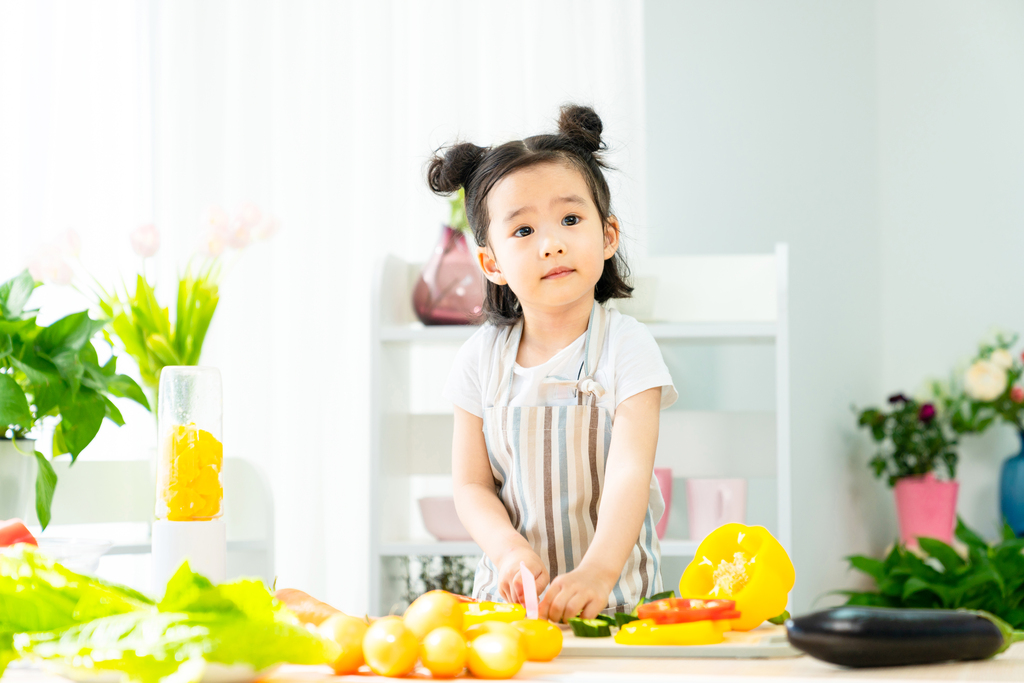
x=926, y=506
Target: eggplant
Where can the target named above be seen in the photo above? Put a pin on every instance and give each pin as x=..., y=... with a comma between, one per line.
x=856, y=636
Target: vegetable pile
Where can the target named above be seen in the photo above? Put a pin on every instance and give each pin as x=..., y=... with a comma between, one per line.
x=52, y=614
x=989, y=577
x=446, y=633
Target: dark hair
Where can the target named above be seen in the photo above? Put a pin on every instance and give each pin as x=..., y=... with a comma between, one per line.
x=477, y=169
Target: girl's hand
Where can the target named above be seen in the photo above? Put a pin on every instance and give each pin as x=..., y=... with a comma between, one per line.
x=509, y=581
x=583, y=592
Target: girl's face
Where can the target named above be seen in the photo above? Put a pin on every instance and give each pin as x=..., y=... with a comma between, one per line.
x=545, y=239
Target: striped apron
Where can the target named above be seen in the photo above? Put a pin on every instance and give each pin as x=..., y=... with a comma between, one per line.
x=548, y=465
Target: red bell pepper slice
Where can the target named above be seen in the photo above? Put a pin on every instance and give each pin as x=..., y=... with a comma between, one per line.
x=13, y=531
x=681, y=610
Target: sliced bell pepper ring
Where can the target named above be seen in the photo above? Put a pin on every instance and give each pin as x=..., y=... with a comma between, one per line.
x=745, y=564
x=13, y=531
x=647, y=632
x=681, y=610
x=479, y=612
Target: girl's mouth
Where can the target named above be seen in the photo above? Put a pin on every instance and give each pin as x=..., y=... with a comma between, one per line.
x=560, y=271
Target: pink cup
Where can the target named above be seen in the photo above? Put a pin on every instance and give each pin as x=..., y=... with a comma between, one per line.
x=664, y=477
x=710, y=503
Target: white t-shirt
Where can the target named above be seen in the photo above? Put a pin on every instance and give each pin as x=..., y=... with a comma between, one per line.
x=630, y=362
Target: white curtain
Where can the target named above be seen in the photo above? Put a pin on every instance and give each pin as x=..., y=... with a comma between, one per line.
x=324, y=114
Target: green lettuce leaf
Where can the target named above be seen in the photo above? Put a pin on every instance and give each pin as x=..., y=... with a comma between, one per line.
x=197, y=622
x=38, y=594
x=150, y=646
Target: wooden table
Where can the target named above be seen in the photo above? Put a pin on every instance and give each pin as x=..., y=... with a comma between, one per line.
x=1008, y=666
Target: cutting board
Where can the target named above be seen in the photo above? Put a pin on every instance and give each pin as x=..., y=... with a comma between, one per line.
x=762, y=642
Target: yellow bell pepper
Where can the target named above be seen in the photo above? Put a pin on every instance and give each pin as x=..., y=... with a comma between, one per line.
x=478, y=612
x=647, y=632
x=745, y=564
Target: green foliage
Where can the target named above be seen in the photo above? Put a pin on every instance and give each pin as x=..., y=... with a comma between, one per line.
x=146, y=331
x=988, y=577
x=913, y=439
x=459, y=220
x=53, y=372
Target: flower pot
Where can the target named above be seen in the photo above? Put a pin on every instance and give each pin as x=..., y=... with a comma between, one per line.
x=926, y=506
x=1011, y=490
x=17, y=478
x=450, y=288
x=664, y=477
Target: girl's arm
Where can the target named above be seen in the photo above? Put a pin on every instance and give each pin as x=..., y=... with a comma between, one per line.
x=624, y=501
x=482, y=512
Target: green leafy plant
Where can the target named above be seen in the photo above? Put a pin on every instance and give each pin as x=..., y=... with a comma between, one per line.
x=425, y=573
x=54, y=372
x=146, y=331
x=912, y=438
x=987, y=577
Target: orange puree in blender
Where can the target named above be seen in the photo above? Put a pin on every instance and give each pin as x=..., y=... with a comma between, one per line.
x=188, y=481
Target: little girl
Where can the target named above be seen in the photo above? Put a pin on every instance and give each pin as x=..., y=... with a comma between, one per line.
x=556, y=397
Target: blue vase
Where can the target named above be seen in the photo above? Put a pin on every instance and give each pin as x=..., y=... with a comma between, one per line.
x=1011, y=490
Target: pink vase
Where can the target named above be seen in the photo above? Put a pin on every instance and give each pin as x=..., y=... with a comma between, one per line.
x=450, y=288
x=664, y=477
x=926, y=506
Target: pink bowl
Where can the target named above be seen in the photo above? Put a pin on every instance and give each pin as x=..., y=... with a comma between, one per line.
x=441, y=520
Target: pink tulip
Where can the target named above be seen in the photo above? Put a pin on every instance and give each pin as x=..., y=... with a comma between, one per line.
x=250, y=215
x=214, y=243
x=238, y=234
x=1017, y=394
x=145, y=240
x=70, y=243
x=49, y=266
x=216, y=220
x=267, y=228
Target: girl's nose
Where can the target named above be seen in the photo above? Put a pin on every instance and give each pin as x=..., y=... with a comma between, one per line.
x=552, y=246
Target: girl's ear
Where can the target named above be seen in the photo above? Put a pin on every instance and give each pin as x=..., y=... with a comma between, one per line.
x=611, y=237
x=485, y=257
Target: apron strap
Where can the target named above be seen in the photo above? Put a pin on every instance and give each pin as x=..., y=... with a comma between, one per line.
x=593, y=346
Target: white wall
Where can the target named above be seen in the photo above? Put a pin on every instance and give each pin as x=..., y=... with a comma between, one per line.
x=761, y=128
x=883, y=141
x=951, y=163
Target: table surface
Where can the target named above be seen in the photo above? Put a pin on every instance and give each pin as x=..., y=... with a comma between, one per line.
x=1008, y=666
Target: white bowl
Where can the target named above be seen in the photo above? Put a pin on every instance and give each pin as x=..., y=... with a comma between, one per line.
x=80, y=555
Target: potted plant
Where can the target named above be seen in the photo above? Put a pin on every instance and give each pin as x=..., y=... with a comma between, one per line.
x=49, y=372
x=913, y=443
x=450, y=288
x=992, y=391
x=136, y=322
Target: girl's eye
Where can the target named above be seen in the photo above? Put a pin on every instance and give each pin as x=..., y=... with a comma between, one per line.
x=576, y=219
x=523, y=231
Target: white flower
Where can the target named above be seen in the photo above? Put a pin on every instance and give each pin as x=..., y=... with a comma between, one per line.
x=145, y=240
x=985, y=381
x=1002, y=358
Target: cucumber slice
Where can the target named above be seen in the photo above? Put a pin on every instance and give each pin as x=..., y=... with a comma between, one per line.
x=590, y=628
x=621, y=618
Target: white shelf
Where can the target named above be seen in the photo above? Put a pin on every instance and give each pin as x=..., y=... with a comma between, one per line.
x=742, y=331
x=669, y=548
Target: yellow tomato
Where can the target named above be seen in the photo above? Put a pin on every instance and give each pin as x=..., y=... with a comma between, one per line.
x=431, y=610
x=542, y=639
x=493, y=655
x=477, y=612
x=347, y=632
x=390, y=648
x=443, y=651
x=502, y=628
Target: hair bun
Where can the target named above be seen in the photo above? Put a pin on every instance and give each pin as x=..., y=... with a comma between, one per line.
x=582, y=125
x=447, y=174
